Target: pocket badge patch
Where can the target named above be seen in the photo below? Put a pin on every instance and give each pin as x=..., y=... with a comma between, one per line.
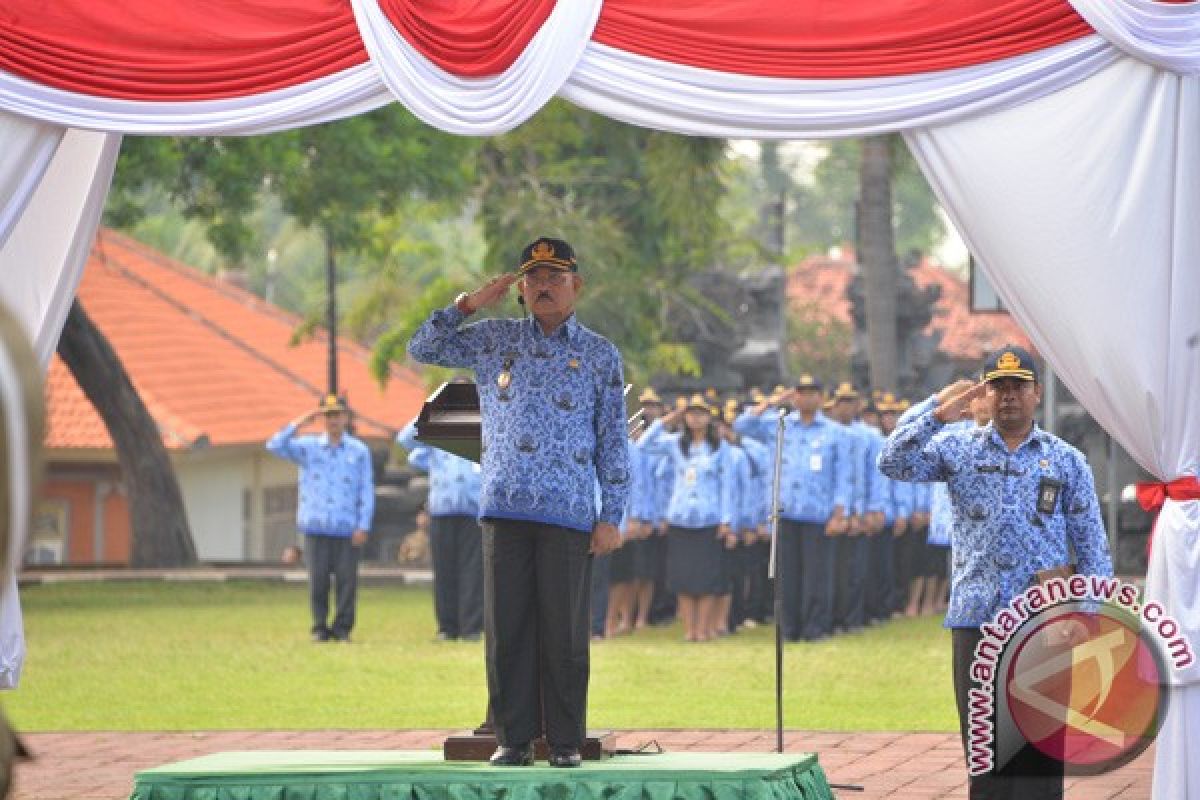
x=1048, y=492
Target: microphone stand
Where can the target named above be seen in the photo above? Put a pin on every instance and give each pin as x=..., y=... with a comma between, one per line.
x=773, y=573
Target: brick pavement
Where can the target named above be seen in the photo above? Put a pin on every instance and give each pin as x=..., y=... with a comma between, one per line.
x=908, y=766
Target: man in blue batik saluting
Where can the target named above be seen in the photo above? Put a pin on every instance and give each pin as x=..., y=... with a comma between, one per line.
x=551, y=396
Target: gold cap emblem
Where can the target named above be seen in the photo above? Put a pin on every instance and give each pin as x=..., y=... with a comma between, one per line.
x=542, y=251
x=1009, y=360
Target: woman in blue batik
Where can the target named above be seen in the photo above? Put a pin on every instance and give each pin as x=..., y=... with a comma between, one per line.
x=700, y=512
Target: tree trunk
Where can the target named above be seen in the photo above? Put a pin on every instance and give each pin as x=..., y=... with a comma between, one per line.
x=773, y=213
x=161, y=536
x=877, y=260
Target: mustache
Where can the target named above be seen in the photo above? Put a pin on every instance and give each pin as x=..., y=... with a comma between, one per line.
x=543, y=295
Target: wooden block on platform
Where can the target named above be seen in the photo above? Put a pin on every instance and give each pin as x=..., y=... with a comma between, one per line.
x=479, y=745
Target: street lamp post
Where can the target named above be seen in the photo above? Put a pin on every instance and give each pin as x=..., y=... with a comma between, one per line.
x=331, y=312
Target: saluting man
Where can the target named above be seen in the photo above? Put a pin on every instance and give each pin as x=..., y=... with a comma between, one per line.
x=1022, y=498
x=815, y=497
x=553, y=423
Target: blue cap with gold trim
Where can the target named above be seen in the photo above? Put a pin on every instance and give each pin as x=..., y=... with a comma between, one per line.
x=808, y=381
x=845, y=391
x=332, y=404
x=701, y=402
x=1010, y=361
x=649, y=397
x=548, y=252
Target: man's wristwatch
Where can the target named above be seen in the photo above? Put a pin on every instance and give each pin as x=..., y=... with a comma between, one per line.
x=462, y=304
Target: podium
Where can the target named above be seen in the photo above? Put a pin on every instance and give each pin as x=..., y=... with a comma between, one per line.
x=450, y=420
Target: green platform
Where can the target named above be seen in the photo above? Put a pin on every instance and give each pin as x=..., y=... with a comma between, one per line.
x=400, y=775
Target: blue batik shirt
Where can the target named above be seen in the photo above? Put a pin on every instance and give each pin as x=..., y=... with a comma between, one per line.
x=874, y=487
x=664, y=487
x=941, y=510
x=454, y=482
x=641, y=488
x=758, y=503
x=855, y=449
x=1003, y=535
x=743, y=491
x=816, y=475
x=553, y=415
x=704, y=485
x=336, y=487
x=941, y=516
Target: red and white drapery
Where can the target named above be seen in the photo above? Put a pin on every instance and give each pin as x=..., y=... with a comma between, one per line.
x=1063, y=136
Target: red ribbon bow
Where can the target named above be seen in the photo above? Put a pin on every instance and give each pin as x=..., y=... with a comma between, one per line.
x=1151, y=495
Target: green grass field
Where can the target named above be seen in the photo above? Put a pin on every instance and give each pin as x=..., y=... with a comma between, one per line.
x=202, y=656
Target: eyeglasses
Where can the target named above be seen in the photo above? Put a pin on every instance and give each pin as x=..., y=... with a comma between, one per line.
x=545, y=278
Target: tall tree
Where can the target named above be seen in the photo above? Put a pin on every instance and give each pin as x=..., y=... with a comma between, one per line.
x=161, y=535
x=877, y=260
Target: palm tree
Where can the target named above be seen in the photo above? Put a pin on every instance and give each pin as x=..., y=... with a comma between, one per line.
x=878, y=262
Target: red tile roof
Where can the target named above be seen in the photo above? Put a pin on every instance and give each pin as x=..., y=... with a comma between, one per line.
x=964, y=335
x=210, y=359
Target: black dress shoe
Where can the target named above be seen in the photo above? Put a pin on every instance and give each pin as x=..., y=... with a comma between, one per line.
x=512, y=756
x=565, y=757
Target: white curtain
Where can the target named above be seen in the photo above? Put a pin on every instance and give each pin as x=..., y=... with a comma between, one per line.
x=1083, y=210
x=344, y=94
x=43, y=256
x=1166, y=35
x=674, y=97
x=27, y=147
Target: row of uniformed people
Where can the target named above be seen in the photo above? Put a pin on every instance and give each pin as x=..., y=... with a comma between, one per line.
x=848, y=553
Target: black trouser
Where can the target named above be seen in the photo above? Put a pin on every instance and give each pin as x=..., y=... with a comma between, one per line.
x=1030, y=775
x=601, y=583
x=817, y=581
x=806, y=568
x=536, y=587
x=737, y=586
x=336, y=556
x=902, y=568
x=760, y=600
x=852, y=556
x=457, y=550
x=881, y=592
x=662, y=604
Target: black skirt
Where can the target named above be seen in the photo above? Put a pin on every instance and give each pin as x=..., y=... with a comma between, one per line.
x=937, y=560
x=646, y=555
x=695, y=561
x=621, y=564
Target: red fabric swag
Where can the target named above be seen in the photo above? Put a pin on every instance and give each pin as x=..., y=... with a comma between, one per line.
x=836, y=38
x=469, y=38
x=1151, y=495
x=169, y=50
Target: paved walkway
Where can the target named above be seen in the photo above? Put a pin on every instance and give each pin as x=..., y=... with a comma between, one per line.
x=910, y=766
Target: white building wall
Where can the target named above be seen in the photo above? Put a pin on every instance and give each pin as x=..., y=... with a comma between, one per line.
x=214, y=487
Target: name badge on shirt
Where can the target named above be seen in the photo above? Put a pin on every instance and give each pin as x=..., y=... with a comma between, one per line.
x=814, y=462
x=690, y=475
x=1048, y=492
